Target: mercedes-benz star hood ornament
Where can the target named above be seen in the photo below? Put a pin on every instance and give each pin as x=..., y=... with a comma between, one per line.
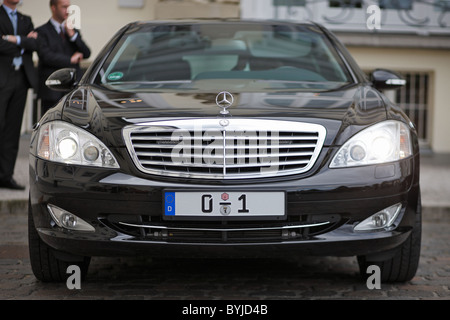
x=224, y=100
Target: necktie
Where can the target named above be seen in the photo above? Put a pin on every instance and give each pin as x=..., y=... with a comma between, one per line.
x=17, y=61
x=61, y=33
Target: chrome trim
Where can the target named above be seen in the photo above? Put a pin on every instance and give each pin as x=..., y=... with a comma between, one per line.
x=269, y=163
x=225, y=229
x=225, y=103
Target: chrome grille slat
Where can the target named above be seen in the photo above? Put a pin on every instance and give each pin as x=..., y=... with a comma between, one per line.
x=212, y=165
x=156, y=146
x=279, y=146
x=238, y=156
x=231, y=138
x=245, y=148
x=193, y=165
x=169, y=134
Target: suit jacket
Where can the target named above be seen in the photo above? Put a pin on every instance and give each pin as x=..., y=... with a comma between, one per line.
x=9, y=50
x=54, y=54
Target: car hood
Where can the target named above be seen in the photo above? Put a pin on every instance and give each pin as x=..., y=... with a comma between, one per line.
x=100, y=110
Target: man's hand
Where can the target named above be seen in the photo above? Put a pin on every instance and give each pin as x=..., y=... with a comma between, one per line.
x=9, y=38
x=33, y=35
x=76, y=58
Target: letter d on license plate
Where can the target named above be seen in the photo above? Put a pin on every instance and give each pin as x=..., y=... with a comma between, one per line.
x=224, y=204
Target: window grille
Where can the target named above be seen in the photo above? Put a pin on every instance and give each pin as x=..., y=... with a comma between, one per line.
x=414, y=99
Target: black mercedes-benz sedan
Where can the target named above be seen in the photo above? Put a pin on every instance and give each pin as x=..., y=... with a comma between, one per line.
x=224, y=139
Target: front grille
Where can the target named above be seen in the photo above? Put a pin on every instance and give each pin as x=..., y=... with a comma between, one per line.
x=224, y=148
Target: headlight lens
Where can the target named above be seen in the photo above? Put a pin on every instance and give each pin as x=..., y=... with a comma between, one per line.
x=384, y=142
x=67, y=146
x=65, y=143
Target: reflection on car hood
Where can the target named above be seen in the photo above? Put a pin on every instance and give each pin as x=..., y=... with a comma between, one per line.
x=361, y=102
x=357, y=105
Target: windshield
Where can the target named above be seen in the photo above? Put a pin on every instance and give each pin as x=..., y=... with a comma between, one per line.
x=215, y=56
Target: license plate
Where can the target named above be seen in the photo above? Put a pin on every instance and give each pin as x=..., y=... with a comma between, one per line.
x=224, y=204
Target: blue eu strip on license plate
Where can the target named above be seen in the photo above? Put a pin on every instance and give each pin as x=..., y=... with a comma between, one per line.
x=169, y=203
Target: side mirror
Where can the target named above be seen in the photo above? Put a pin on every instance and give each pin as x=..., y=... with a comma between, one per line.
x=62, y=80
x=387, y=80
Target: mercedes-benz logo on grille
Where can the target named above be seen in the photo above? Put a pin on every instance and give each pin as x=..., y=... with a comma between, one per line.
x=224, y=100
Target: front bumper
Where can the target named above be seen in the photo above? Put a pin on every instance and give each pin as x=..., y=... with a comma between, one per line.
x=343, y=196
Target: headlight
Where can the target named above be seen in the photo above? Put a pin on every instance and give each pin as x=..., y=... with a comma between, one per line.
x=65, y=143
x=384, y=142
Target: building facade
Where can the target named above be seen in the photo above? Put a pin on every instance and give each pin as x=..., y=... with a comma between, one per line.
x=408, y=36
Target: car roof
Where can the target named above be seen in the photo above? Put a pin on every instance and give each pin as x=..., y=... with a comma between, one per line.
x=222, y=21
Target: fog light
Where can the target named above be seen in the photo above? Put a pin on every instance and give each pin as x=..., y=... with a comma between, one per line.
x=68, y=220
x=380, y=220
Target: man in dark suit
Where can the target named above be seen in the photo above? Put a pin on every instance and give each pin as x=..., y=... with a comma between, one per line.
x=17, y=43
x=60, y=46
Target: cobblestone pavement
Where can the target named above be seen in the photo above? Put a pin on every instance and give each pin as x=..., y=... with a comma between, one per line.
x=140, y=278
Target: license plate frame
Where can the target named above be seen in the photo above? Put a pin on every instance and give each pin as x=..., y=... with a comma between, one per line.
x=271, y=205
